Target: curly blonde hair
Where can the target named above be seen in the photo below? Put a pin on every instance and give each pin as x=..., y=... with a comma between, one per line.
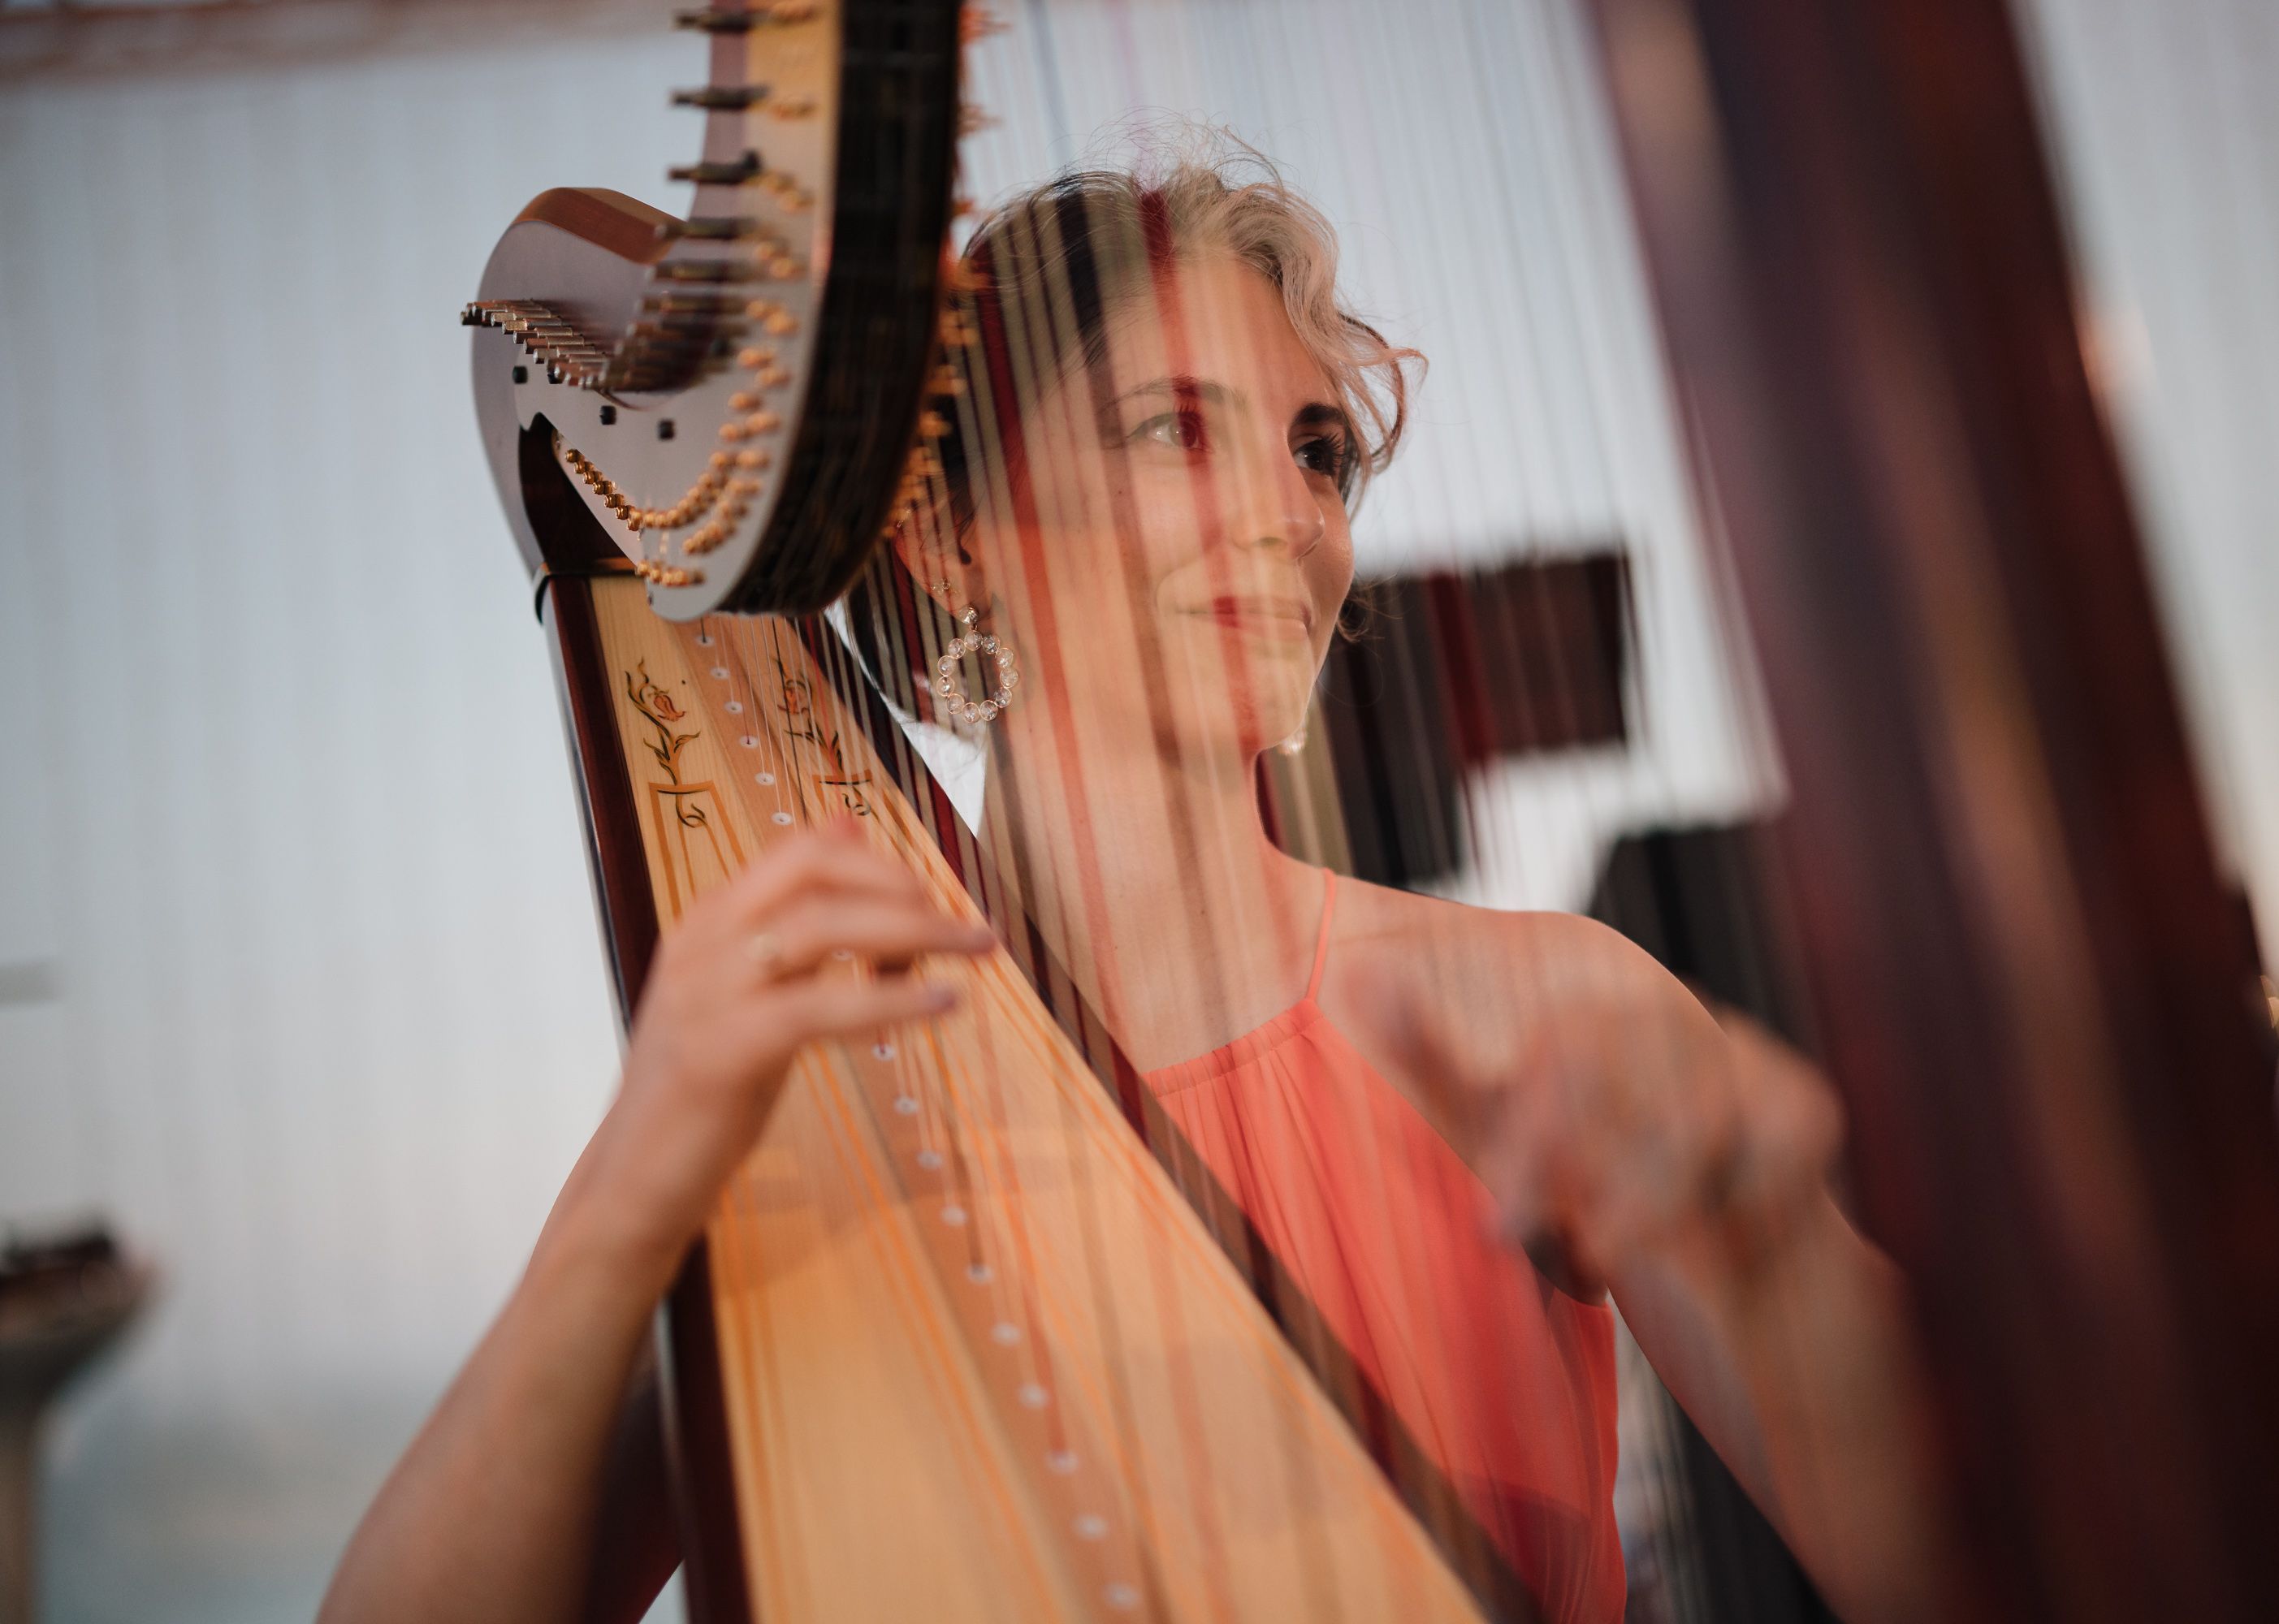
x=1056, y=261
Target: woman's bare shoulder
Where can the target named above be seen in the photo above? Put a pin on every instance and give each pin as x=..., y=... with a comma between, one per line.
x=1414, y=965
x=1380, y=919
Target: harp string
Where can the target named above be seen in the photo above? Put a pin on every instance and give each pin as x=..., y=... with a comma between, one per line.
x=1208, y=518
x=1577, y=464
x=1106, y=1303
x=980, y=1182
x=999, y=462
x=1426, y=839
x=978, y=1077
x=1008, y=404
x=1021, y=370
x=1030, y=566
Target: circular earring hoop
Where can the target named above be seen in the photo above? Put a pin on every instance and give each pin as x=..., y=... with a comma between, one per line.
x=954, y=701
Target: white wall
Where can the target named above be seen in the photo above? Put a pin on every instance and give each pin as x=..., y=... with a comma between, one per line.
x=2168, y=119
x=286, y=805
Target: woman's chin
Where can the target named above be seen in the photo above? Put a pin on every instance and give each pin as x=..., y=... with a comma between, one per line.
x=1257, y=730
x=1227, y=722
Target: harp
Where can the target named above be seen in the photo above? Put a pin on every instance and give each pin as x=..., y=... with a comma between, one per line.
x=974, y=1334
x=951, y=1294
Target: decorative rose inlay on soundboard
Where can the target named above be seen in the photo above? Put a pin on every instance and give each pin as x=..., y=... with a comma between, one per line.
x=833, y=776
x=700, y=842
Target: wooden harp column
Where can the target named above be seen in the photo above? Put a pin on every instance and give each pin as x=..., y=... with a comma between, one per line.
x=2031, y=982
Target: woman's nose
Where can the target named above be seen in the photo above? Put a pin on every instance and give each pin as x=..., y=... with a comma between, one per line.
x=1280, y=511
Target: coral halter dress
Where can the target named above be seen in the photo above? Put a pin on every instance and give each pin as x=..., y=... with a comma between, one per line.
x=1506, y=1383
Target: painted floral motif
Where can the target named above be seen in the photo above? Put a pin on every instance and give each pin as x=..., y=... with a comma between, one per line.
x=658, y=709
x=801, y=722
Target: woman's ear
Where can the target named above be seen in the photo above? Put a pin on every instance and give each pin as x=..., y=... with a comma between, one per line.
x=933, y=553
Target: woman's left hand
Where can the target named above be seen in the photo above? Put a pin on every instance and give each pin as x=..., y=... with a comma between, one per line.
x=1639, y=1127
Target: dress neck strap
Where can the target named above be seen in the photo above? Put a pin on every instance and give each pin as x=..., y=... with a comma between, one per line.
x=1321, y=944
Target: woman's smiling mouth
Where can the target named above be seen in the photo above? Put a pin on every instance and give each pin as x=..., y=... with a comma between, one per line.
x=1272, y=617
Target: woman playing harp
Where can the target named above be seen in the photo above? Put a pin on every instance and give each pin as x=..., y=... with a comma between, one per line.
x=1161, y=413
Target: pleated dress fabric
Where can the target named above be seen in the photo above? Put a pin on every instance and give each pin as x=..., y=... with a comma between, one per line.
x=1506, y=1384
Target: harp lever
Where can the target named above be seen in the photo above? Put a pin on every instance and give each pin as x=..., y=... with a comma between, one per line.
x=742, y=172
x=714, y=229
x=722, y=97
x=779, y=15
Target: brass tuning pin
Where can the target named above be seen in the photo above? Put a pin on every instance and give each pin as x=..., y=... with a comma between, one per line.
x=708, y=270
x=717, y=98
x=746, y=172
x=780, y=14
x=713, y=228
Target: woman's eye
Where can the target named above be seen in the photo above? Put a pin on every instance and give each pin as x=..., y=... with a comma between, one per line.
x=1324, y=455
x=1182, y=431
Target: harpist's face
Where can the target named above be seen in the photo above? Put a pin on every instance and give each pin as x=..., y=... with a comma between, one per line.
x=1182, y=576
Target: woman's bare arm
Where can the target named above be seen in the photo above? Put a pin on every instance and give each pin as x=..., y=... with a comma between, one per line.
x=492, y=1513
x=1802, y=1374
x=1682, y=1159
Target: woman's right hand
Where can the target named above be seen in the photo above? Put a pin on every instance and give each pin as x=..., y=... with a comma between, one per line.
x=750, y=974
x=492, y=1511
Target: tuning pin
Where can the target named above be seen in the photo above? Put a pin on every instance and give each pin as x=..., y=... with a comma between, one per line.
x=781, y=14
x=713, y=228
x=721, y=22
x=707, y=271
x=722, y=98
x=746, y=171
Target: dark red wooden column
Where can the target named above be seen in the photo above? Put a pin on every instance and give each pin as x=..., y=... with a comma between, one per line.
x=2031, y=984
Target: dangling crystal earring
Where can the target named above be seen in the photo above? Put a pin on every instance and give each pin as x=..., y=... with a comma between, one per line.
x=954, y=701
